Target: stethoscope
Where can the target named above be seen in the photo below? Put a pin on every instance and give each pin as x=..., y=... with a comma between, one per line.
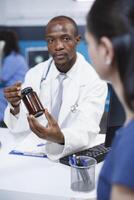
x=73, y=107
x=45, y=76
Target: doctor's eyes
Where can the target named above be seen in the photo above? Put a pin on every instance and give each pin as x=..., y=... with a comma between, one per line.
x=64, y=39
x=49, y=41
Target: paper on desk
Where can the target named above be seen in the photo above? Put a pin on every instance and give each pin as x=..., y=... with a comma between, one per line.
x=30, y=146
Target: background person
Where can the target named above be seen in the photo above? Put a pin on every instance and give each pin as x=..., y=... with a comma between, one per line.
x=13, y=66
x=110, y=34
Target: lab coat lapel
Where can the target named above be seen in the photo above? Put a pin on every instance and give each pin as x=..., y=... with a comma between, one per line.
x=38, y=77
x=43, y=89
x=45, y=94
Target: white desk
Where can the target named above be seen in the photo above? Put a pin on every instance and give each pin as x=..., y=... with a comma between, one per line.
x=30, y=178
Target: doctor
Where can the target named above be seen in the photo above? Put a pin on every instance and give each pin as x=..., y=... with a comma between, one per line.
x=83, y=95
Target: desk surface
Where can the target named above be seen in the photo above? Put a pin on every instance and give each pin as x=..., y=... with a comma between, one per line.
x=31, y=178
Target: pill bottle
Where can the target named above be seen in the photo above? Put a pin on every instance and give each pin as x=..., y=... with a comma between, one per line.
x=32, y=102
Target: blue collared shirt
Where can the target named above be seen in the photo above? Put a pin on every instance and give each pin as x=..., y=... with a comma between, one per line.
x=13, y=69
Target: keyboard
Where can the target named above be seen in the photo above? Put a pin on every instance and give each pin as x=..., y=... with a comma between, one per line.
x=98, y=152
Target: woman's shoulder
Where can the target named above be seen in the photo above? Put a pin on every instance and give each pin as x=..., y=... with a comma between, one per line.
x=125, y=138
x=128, y=130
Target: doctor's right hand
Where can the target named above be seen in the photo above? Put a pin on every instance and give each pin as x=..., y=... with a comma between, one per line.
x=13, y=96
x=51, y=133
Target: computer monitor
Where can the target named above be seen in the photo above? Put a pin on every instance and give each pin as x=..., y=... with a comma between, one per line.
x=115, y=117
x=36, y=55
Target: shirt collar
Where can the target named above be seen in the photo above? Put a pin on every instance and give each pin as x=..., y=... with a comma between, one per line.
x=70, y=73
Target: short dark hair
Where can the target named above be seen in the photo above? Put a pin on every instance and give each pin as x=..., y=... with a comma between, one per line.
x=11, y=41
x=115, y=20
x=62, y=17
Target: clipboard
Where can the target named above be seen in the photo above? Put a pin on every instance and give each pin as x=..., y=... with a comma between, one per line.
x=32, y=145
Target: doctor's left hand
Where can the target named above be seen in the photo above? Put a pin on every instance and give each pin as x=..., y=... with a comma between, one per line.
x=52, y=132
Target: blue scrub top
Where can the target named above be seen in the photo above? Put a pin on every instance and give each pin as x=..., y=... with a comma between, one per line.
x=13, y=69
x=118, y=167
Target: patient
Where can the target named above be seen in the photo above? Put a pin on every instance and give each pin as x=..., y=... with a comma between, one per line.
x=110, y=34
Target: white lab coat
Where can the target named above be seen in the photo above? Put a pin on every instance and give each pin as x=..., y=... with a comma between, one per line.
x=81, y=111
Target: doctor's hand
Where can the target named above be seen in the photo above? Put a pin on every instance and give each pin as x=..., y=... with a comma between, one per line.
x=52, y=132
x=13, y=96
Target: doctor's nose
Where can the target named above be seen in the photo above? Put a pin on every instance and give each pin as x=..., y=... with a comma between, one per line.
x=59, y=45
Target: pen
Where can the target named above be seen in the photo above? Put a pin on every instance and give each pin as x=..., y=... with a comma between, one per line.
x=33, y=154
x=40, y=145
x=74, y=159
x=71, y=161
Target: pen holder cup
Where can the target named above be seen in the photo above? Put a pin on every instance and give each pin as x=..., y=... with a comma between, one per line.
x=82, y=173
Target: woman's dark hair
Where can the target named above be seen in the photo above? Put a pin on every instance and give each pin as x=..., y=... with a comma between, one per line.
x=115, y=20
x=11, y=41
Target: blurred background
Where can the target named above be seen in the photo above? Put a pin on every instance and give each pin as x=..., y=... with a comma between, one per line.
x=29, y=17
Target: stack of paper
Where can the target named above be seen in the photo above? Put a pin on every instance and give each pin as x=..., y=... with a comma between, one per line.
x=30, y=146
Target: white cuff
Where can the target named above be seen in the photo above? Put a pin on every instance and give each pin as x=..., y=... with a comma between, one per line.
x=12, y=108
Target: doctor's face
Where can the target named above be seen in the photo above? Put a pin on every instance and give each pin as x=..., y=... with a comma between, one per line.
x=62, y=41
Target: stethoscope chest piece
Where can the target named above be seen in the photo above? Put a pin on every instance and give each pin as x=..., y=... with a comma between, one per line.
x=74, y=108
